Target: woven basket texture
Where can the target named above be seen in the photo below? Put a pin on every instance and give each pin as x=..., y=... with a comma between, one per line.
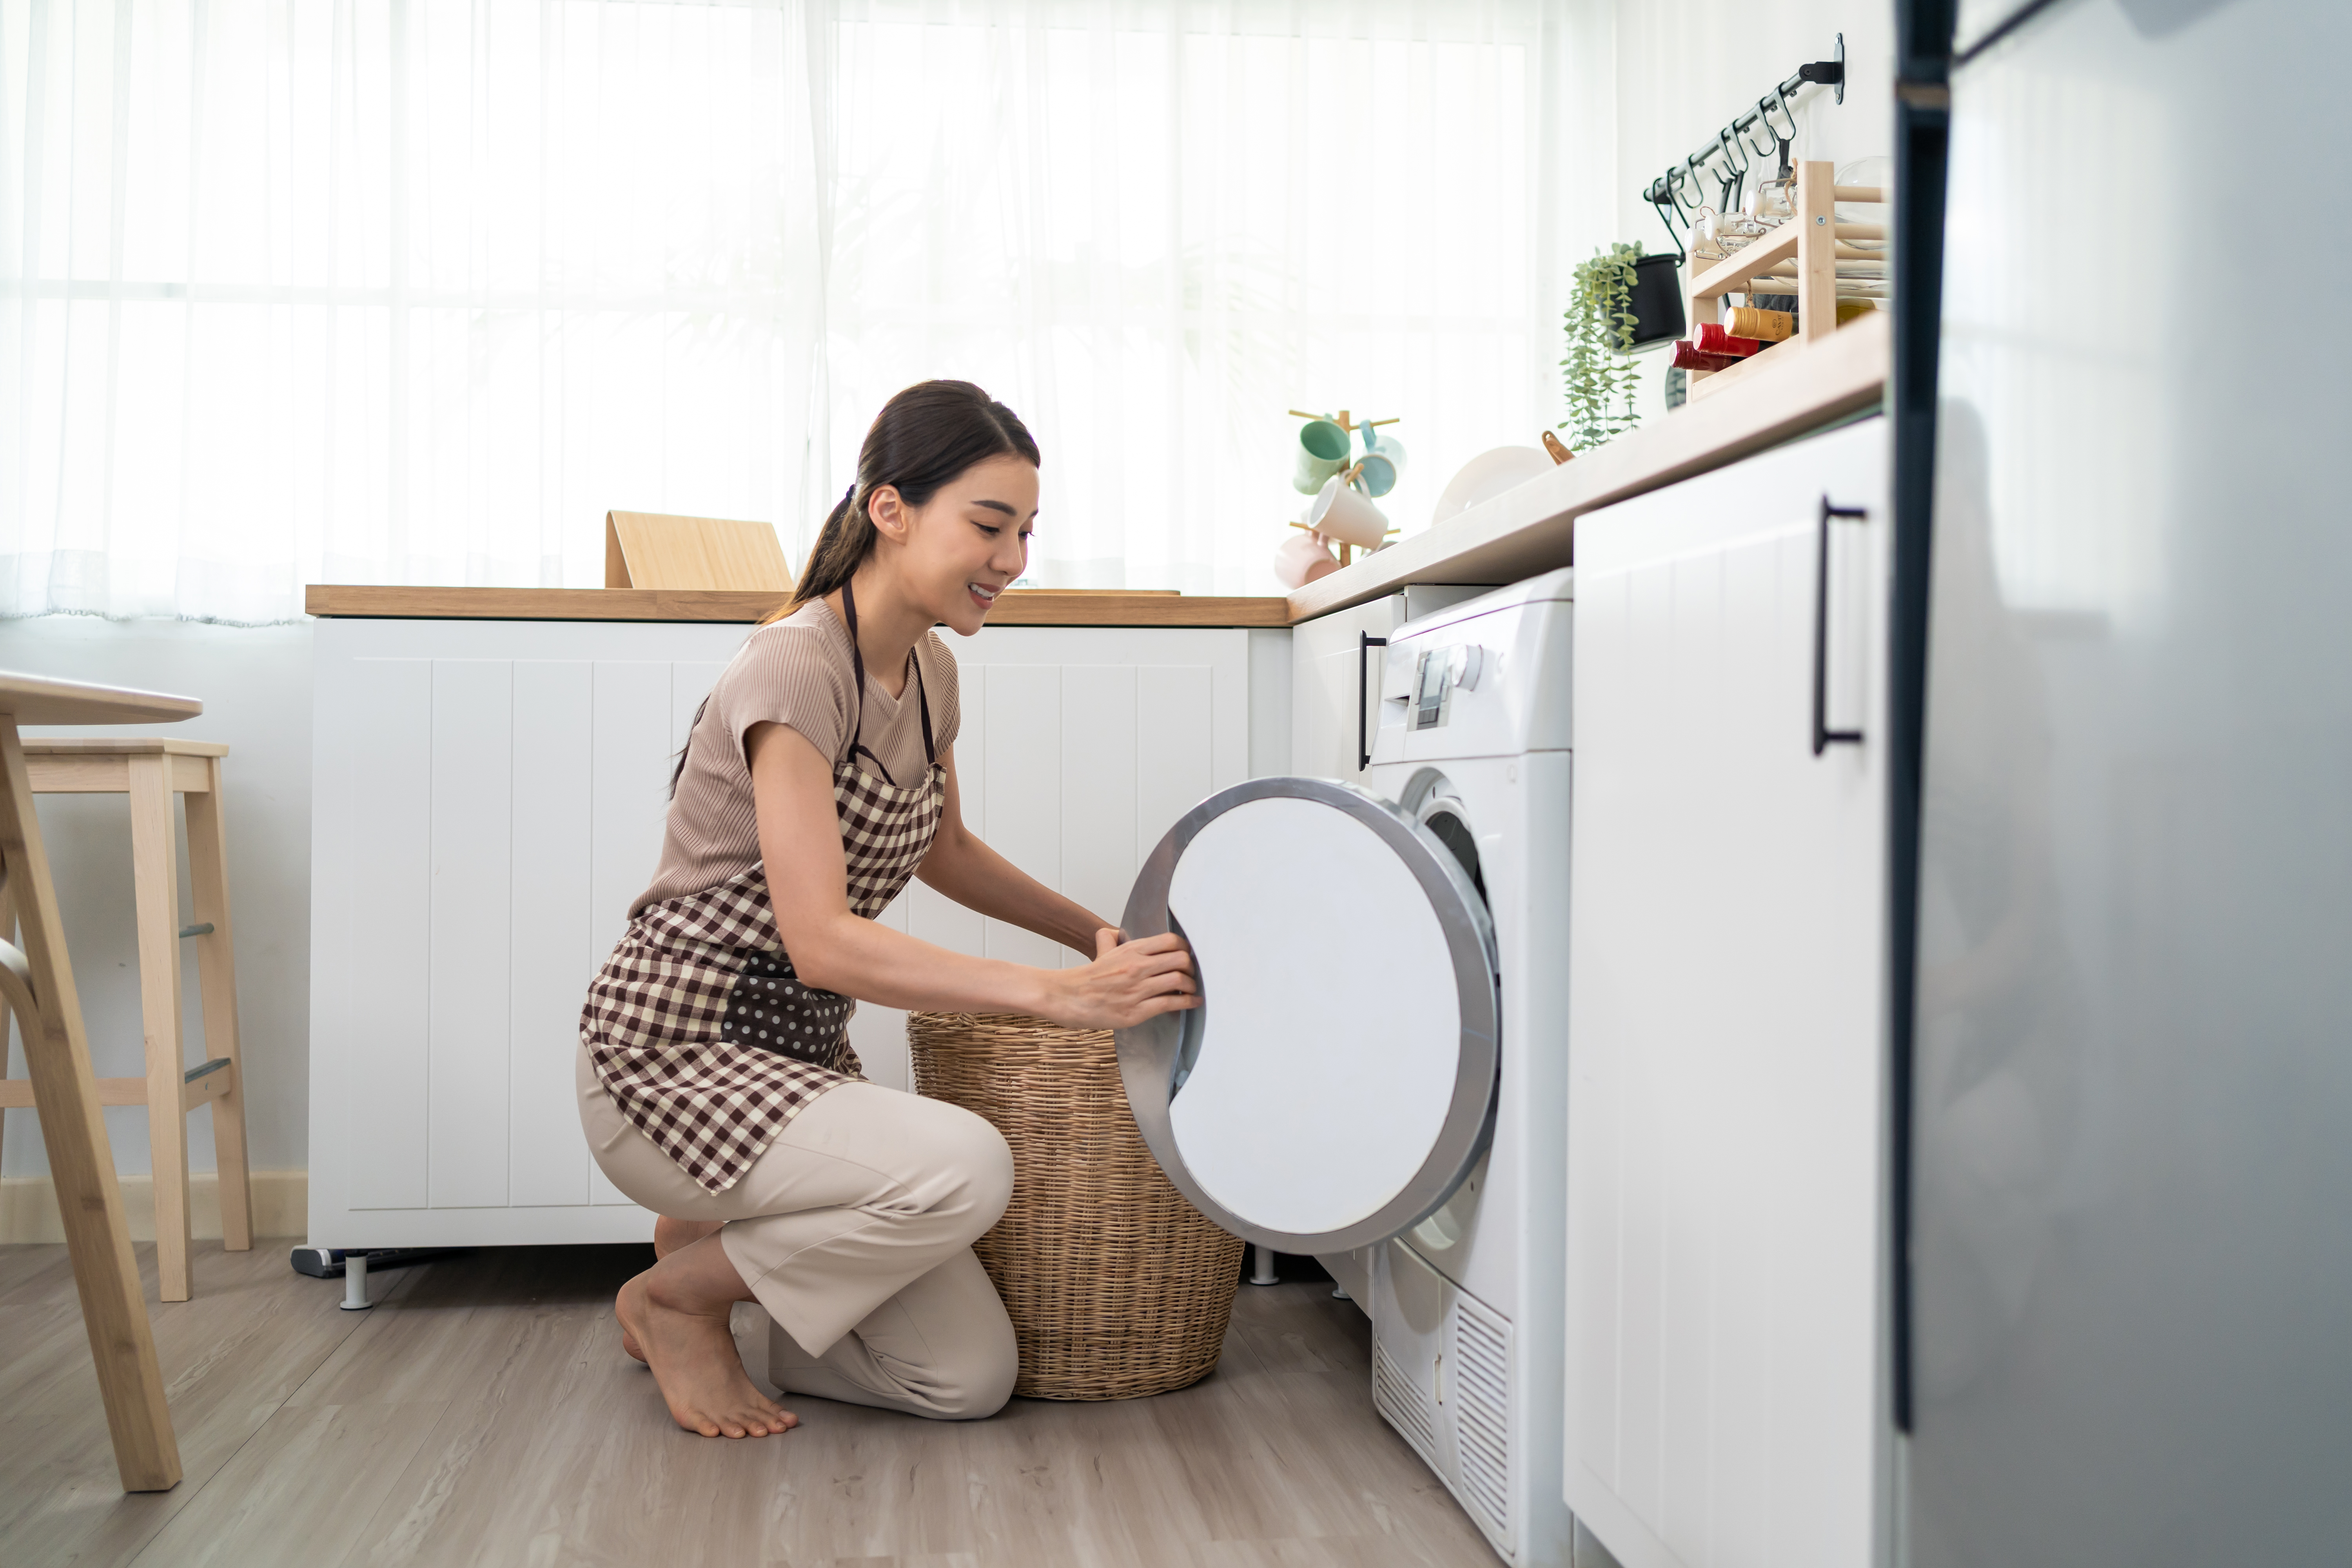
x=1117, y=1286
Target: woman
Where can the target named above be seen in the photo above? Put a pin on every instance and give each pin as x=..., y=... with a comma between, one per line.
x=717, y=1085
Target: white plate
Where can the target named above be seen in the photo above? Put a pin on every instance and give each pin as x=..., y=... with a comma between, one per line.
x=1488, y=475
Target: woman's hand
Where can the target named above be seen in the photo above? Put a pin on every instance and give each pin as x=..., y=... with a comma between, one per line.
x=1127, y=983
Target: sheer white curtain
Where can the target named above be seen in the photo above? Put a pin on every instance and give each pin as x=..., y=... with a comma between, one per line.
x=415, y=290
x=1152, y=228
x=390, y=291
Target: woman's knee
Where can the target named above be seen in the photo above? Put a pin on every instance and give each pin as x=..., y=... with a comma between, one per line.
x=991, y=1383
x=988, y=1366
x=987, y=1164
x=974, y=1162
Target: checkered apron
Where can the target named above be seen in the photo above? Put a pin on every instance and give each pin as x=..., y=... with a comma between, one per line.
x=700, y=1030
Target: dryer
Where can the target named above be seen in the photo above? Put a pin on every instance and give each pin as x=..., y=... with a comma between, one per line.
x=1379, y=1060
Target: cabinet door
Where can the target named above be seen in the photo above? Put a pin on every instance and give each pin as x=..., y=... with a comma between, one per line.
x=487, y=797
x=1336, y=686
x=1725, y=1204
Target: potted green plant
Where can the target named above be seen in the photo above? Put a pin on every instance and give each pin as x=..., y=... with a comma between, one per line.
x=1603, y=330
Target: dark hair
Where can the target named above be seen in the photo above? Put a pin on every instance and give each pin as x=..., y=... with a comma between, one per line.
x=922, y=440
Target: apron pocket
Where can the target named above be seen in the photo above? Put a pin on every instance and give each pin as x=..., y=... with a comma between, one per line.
x=769, y=1010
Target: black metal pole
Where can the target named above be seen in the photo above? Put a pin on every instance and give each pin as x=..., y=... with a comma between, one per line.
x=1821, y=73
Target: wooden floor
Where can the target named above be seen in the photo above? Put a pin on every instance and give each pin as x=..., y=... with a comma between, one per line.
x=484, y=1413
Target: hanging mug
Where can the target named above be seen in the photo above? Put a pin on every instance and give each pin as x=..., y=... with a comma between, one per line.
x=1383, y=460
x=1322, y=452
x=1340, y=513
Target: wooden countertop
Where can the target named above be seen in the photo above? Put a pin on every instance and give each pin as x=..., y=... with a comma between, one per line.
x=1014, y=608
x=1532, y=529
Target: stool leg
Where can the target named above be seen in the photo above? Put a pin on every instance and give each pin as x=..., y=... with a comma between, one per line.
x=41, y=994
x=7, y=939
x=155, y=879
x=216, y=974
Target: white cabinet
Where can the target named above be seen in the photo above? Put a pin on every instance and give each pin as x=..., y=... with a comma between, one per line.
x=489, y=797
x=1335, y=682
x=1727, y=1401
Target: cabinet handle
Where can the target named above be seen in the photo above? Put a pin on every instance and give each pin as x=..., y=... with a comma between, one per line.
x=1365, y=642
x=1823, y=736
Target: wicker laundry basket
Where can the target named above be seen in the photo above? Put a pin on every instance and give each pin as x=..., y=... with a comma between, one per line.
x=1117, y=1286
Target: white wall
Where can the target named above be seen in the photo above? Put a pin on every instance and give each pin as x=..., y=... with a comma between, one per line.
x=256, y=687
x=1653, y=82
x=1656, y=81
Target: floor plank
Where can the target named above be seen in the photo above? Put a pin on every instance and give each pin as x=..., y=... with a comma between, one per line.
x=484, y=1413
x=32, y=1272
x=302, y=1491
x=252, y=1332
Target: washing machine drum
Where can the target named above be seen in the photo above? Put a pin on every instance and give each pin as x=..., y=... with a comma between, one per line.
x=1338, y=1080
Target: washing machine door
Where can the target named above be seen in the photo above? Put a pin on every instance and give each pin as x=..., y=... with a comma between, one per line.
x=1338, y=1081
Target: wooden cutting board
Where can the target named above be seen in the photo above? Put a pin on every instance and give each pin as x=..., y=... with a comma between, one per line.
x=654, y=549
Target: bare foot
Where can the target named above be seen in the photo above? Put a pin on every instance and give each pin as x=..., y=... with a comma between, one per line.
x=671, y=1235
x=693, y=1356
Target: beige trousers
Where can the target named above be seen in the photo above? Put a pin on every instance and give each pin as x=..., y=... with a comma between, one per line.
x=854, y=1231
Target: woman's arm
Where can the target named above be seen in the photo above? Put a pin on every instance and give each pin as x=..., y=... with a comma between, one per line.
x=966, y=870
x=833, y=948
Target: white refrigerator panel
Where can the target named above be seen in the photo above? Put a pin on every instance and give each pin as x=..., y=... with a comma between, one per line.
x=2132, y=1252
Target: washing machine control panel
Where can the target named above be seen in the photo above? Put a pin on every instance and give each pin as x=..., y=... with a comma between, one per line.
x=1437, y=673
x=1477, y=682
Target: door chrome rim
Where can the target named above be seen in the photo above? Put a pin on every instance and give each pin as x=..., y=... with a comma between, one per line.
x=1151, y=1053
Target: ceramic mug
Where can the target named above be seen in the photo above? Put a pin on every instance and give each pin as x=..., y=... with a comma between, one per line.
x=1343, y=514
x=1300, y=558
x=1322, y=452
x=1383, y=460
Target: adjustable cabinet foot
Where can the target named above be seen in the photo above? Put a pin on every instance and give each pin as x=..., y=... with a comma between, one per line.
x=1263, y=1272
x=355, y=1296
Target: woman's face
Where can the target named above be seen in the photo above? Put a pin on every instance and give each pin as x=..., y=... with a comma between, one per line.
x=968, y=541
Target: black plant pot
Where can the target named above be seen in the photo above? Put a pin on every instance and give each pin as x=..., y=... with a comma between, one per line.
x=1657, y=302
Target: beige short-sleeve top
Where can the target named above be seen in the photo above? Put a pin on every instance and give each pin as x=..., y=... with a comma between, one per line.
x=796, y=673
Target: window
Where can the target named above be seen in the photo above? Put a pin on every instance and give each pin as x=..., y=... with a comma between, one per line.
x=415, y=290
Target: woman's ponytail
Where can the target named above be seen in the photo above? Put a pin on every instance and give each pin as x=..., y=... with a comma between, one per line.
x=842, y=546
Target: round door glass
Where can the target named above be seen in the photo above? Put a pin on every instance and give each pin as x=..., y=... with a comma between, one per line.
x=1337, y=1083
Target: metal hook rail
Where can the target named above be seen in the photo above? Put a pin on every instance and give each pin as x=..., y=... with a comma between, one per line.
x=1665, y=192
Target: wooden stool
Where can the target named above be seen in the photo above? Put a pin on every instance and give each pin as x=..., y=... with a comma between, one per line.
x=150, y=773
x=37, y=985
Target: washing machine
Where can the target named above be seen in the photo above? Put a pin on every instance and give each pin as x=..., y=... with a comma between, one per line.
x=1379, y=1059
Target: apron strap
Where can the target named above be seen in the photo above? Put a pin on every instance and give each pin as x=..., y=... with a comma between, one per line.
x=857, y=669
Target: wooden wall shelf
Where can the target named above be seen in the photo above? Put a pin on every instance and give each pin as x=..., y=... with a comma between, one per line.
x=1802, y=257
